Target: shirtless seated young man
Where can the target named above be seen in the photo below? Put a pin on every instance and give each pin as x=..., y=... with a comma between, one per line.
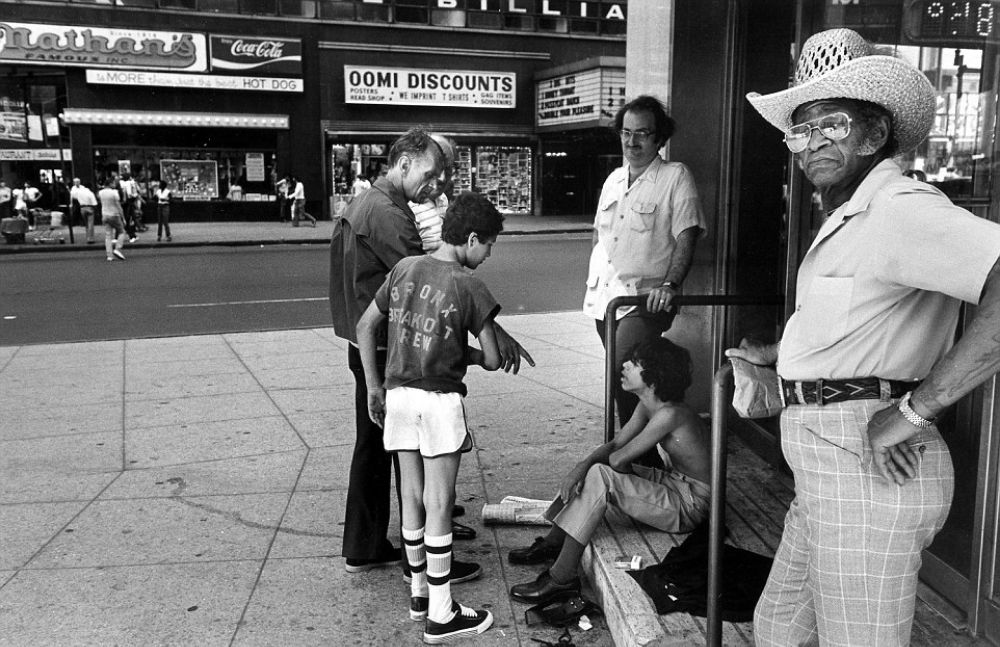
x=674, y=500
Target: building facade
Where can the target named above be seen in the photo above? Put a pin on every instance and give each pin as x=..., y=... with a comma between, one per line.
x=209, y=95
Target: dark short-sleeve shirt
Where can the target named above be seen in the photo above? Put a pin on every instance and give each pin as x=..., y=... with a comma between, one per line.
x=375, y=232
x=432, y=306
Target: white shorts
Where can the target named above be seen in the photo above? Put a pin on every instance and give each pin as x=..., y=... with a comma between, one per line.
x=430, y=422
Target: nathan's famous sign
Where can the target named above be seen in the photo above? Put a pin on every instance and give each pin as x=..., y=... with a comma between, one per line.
x=96, y=46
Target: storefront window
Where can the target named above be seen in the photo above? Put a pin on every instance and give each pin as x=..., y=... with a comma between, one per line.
x=192, y=174
x=504, y=175
x=501, y=173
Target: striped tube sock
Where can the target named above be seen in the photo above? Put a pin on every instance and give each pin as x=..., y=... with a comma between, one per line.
x=413, y=541
x=439, y=578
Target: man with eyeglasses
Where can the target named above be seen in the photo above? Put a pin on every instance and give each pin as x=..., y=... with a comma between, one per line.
x=648, y=221
x=866, y=362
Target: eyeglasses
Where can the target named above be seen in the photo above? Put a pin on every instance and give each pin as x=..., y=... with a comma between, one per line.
x=639, y=135
x=834, y=127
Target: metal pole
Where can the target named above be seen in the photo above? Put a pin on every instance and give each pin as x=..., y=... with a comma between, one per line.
x=717, y=511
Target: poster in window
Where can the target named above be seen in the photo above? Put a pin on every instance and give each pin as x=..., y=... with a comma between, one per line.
x=191, y=179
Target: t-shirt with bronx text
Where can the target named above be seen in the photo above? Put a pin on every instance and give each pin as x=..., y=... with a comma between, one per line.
x=432, y=306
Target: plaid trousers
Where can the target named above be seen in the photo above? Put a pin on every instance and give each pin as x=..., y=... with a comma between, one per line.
x=846, y=570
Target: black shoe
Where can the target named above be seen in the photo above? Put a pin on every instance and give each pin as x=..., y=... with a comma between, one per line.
x=418, y=608
x=457, y=510
x=467, y=622
x=389, y=557
x=460, y=532
x=543, y=589
x=538, y=552
x=460, y=572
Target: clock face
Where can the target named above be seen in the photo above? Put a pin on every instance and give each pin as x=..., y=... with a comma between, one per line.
x=952, y=22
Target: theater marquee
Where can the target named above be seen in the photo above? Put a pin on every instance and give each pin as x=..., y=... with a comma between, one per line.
x=422, y=87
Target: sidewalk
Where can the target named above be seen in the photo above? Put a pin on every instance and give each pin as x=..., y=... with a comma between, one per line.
x=192, y=234
x=190, y=490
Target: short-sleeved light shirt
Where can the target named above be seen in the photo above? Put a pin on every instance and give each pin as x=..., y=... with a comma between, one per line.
x=432, y=306
x=110, y=202
x=83, y=195
x=429, y=217
x=637, y=228
x=879, y=290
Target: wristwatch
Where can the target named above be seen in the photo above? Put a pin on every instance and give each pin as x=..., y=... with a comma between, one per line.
x=676, y=287
x=912, y=416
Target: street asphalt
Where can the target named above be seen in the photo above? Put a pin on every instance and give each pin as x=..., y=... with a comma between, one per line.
x=191, y=490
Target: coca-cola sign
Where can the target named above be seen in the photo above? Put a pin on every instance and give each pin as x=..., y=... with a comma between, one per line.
x=256, y=55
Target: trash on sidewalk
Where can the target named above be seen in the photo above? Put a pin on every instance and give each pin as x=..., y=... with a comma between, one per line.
x=517, y=510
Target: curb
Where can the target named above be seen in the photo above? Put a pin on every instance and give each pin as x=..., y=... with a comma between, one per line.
x=78, y=247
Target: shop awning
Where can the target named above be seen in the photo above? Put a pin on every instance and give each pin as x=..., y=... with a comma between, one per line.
x=98, y=117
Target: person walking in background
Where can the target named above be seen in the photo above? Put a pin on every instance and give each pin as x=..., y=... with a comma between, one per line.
x=163, y=196
x=361, y=184
x=430, y=214
x=281, y=191
x=132, y=202
x=419, y=403
x=297, y=196
x=31, y=195
x=648, y=222
x=113, y=216
x=6, y=200
x=85, y=199
x=868, y=360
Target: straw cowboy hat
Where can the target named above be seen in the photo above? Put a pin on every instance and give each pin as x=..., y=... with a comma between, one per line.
x=839, y=63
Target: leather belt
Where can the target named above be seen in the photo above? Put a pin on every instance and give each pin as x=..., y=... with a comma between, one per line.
x=828, y=391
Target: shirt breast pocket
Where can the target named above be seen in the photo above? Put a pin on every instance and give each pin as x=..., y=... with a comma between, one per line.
x=606, y=213
x=827, y=308
x=643, y=216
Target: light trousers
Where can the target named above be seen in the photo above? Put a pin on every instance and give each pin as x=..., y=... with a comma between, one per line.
x=845, y=572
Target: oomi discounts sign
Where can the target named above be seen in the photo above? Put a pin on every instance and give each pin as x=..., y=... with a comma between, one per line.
x=421, y=87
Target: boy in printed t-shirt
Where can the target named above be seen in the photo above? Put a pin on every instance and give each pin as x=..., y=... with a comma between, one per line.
x=432, y=303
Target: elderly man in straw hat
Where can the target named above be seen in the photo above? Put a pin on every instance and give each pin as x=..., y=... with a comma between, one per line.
x=866, y=360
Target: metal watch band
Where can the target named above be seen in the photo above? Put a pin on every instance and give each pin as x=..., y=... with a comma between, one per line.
x=912, y=416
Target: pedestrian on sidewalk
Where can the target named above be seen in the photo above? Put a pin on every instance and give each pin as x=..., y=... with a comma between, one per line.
x=429, y=215
x=675, y=499
x=868, y=360
x=113, y=215
x=297, y=196
x=132, y=202
x=6, y=200
x=419, y=403
x=376, y=231
x=81, y=196
x=648, y=221
x=163, y=196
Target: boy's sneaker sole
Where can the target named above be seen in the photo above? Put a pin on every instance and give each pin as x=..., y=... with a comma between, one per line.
x=460, y=572
x=418, y=608
x=460, y=626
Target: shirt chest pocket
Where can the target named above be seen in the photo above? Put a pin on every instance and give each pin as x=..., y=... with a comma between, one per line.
x=642, y=216
x=826, y=310
x=606, y=213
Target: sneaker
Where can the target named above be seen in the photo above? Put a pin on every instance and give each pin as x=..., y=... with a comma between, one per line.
x=460, y=572
x=467, y=622
x=418, y=608
x=388, y=558
x=119, y=254
x=111, y=258
x=133, y=239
